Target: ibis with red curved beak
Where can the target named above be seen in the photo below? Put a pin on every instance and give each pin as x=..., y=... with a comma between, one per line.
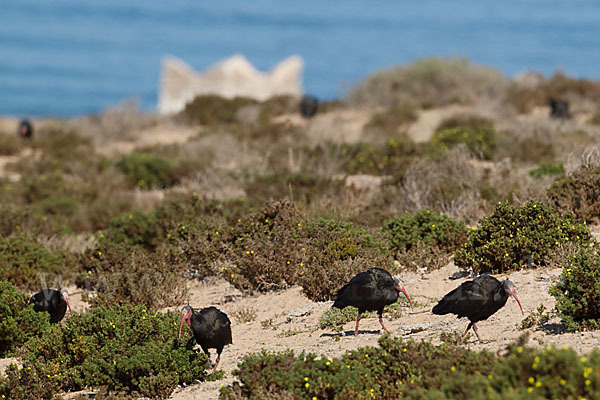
x=371, y=290
x=53, y=302
x=211, y=329
x=477, y=300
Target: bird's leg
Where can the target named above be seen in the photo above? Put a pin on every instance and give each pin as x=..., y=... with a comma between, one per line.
x=356, y=328
x=475, y=330
x=382, y=325
x=468, y=327
x=216, y=363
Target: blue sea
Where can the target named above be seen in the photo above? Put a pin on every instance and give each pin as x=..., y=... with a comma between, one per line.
x=69, y=57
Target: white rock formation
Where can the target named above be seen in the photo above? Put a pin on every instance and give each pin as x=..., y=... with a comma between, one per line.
x=232, y=77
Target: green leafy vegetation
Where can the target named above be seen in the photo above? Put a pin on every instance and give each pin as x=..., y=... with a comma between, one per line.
x=27, y=264
x=18, y=321
x=123, y=349
x=418, y=370
x=481, y=141
x=514, y=236
x=578, y=193
x=577, y=291
x=147, y=171
x=547, y=169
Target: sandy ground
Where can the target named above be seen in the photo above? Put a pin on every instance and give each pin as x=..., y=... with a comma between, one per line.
x=290, y=311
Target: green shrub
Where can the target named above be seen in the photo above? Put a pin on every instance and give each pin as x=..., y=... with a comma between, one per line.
x=577, y=292
x=578, y=193
x=126, y=275
x=386, y=123
x=424, y=238
x=265, y=248
x=428, y=82
x=547, y=169
x=214, y=109
x=426, y=226
x=147, y=171
x=123, y=349
x=136, y=228
x=336, y=252
x=24, y=262
x=18, y=321
x=511, y=236
x=481, y=141
x=418, y=370
x=464, y=120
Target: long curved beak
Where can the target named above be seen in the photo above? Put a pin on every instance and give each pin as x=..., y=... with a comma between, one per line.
x=69, y=305
x=406, y=294
x=183, y=315
x=514, y=294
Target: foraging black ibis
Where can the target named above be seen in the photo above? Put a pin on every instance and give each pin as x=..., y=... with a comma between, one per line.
x=53, y=302
x=477, y=300
x=371, y=290
x=309, y=106
x=25, y=130
x=211, y=328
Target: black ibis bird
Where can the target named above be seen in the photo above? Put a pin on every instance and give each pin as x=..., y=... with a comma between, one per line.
x=477, y=300
x=371, y=290
x=25, y=130
x=309, y=106
x=53, y=302
x=211, y=328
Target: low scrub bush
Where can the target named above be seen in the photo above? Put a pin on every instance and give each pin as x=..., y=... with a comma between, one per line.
x=387, y=123
x=427, y=227
x=335, y=318
x=136, y=228
x=578, y=193
x=464, y=120
x=513, y=236
x=126, y=275
x=481, y=141
x=28, y=264
x=148, y=171
x=424, y=238
x=336, y=252
x=418, y=370
x=525, y=97
x=123, y=349
x=547, y=169
x=214, y=109
x=18, y=321
x=266, y=248
x=577, y=292
x=430, y=82
x=10, y=145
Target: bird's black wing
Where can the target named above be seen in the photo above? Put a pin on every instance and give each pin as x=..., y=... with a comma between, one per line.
x=41, y=301
x=362, y=286
x=463, y=301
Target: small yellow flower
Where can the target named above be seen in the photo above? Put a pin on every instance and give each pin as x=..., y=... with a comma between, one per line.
x=534, y=366
x=453, y=368
x=529, y=389
x=519, y=349
x=490, y=376
x=531, y=380
x=538, y=384
x=583, y=359
x=404, y=349
x=306, y=385
x=366, y=355
x=315, y=359
x=327, y=363
x=587, y=382
x=306, y=378
x=562, y=381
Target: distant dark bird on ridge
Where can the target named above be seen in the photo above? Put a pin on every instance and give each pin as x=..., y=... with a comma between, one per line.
x=477, y=300
x=211, y=328
x=309, y=106
x=559, y=109
x=371, y=290
x=53, y=302
x=25, y=129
